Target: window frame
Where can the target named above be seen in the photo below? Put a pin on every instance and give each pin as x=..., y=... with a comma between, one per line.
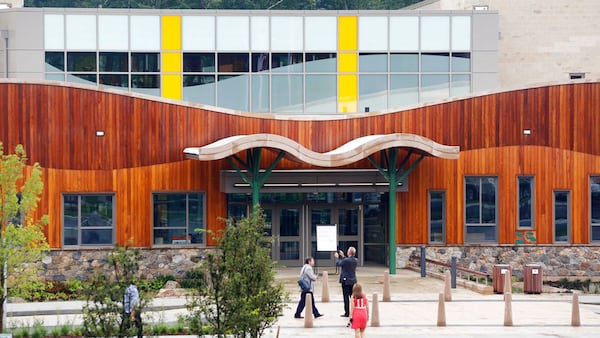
x=592, y=224
x=429, y=214
x=79, y=196
x=532, y=202
x=202, y=234
x=480, y=224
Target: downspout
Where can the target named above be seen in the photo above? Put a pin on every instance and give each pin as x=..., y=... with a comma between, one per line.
x=4, y=35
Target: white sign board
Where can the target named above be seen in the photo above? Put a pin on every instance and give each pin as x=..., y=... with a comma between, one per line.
x=327, y=237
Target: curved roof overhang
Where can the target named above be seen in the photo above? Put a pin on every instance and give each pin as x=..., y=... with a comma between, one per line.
x=348, y=153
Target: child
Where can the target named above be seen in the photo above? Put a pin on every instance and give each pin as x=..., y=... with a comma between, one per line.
x=360, y=312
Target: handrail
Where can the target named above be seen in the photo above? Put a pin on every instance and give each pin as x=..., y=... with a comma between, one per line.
x=466, y=271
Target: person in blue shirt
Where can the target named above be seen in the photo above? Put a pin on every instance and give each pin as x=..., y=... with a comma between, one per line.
x=131, y=300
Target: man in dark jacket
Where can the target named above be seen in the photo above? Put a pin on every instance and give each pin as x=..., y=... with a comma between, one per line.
x=347, y=275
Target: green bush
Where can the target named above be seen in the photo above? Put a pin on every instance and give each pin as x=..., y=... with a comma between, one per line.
x=193, y=279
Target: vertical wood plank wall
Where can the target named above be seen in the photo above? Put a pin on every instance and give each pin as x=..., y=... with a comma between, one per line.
x=142, y=151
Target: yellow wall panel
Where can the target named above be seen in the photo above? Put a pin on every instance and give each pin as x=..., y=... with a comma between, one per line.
x=348, y=33
x=347, y=62
x=347, y=99
x=171, y=62
x=171, y=86
x=171, y=33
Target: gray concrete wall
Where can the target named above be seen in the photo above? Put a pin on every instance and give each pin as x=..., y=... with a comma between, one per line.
x=25, y=43
x=541, y=40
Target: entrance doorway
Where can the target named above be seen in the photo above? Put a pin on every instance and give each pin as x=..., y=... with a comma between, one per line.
x=292, y=220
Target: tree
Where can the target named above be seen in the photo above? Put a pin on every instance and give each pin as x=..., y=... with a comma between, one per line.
x=240, y=295
x=22, y=240
x=103, y=312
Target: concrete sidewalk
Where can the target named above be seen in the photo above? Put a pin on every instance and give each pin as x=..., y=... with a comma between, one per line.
x=411, y=313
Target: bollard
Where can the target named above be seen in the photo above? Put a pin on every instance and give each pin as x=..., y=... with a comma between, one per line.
x=278, y=329
x=508, y=309
x=441, y=321
x=447, y=291
x=325, y=288
x=453, y=272
x=423, y=262
x=386, y=286
x=575, y=319
x=375, y=311
x=308, y=314
x=507, y=282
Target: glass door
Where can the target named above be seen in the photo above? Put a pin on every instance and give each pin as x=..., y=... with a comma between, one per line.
x=320, y=215
x=285, y=230
x=348, y=220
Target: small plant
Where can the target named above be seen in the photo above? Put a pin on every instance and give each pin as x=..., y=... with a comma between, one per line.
x=22, y=332
x=65, y=330
x=55, y=332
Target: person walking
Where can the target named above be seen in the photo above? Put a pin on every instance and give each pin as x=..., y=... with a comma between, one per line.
x=308, y=275
x=347, y=275
x=131, y=299
x=360, y=312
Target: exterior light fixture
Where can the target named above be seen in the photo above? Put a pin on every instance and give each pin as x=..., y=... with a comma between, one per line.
x=99, y=133
x=526, y=131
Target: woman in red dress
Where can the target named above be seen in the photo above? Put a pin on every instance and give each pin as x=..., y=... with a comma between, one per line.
x=359, y=312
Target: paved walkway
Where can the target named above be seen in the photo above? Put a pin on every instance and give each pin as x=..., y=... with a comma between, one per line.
x=411, y=313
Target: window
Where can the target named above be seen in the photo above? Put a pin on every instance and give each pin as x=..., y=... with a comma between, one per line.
x=437, y=216
x=88, y=219
x=481, y=221
x=595, y=208
x=525, y=202
x=178, y=218
x=562, y=216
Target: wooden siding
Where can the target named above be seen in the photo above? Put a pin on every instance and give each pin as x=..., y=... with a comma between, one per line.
x=142, y=151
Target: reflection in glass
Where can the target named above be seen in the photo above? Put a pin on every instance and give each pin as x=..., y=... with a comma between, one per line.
x=81, y=61
x=461, y=84
x=478, y=234
x=372, y=92
x=488, y=201
x=404, y=62
x=232, y=92
x=321, y=93
x=113, y=62
x=55, y=77
x=145, y=84
x=88, y=219
x=404, y=90
x=437, y=211
x=268, y=229
x=321, y=62
x=178, y=218
x=89, y=79
x=289, y=250
x=472, y=197
x=260, y=93
x=287, y=93
x=233, y=62
x=348, y=222
x=289, y=222
x=115, y=80
x=199, y=88
x=319, y=216
x=145, y=62
x=55, y=61
x=198, y=62
x=561, y=216
x=435, y=62
x=434, y=87
x=372, y=62
x=286, y=62
x=480, y=209
x=461, y=62
x=525, y=202
x=260, y=62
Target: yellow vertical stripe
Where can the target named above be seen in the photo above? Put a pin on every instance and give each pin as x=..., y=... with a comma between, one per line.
x=171, y=84
x=347, y=63
x=171, y=62
x=171, y=33
x=348, y=33
x=347, y=86
x=171, y=68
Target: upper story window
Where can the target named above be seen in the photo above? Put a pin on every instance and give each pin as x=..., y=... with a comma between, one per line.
x=481, y=209
x=178, y=218
x=525, y=202
x=88, y=220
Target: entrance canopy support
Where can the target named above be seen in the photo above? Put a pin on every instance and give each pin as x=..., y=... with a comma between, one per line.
x=252, y=165
x=395, y=176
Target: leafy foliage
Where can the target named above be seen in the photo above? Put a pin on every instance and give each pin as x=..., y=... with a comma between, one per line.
x=103, y=314
x=22, y=240
x=240, y=296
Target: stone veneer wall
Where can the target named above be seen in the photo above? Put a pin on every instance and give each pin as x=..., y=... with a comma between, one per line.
x=556, y=261
x=81, y=264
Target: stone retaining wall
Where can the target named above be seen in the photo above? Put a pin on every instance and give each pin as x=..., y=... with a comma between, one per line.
x=556, y=261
